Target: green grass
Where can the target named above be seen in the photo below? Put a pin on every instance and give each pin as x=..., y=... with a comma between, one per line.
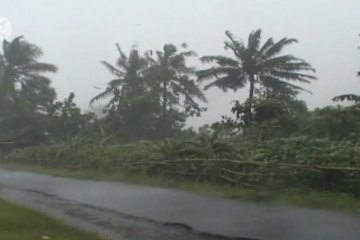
x=299, y=197
x=18, y=223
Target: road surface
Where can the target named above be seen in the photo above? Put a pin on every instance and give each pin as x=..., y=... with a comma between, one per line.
x=125, y=211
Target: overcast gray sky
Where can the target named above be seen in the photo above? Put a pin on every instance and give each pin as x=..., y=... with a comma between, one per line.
x=76, y=34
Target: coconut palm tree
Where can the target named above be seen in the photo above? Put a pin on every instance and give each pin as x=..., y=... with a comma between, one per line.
x=171, y=77
x=19, y=68
x=132, y=109
x=256, y=64
x=24, y=91
x=128, y=72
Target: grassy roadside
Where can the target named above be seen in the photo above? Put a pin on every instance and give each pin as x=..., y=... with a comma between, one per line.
x=18, y=223
x=299, y=197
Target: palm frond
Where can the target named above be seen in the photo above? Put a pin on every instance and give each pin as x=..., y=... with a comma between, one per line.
x=268, y=44
x=348, y=97
x=122, y=54
x=21, y=52
x=220, y=60
x=278, y=47
x=108, y=92
x=38, y=67
x=236, y=46
x=188, y=54
x=112, y=69
x=277, y=84
x=233, y=80
x=215, y=72
x=116, y=82
x=254, y=40
x=286, y=63
x=292, y=76
x=190, y=88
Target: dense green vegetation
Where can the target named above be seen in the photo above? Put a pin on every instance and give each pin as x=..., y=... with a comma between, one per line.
x=300, y=162
x=17, y=223
x=269, y=141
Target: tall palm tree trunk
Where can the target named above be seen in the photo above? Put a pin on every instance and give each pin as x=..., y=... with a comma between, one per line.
x=164, y=106
x=251, y=96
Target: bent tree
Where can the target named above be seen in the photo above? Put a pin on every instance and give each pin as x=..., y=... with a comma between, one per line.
x=171, y=78
x=21, y=71
x=260, y=66
x=25, y=92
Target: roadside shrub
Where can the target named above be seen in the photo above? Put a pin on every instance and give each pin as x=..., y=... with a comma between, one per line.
x=284, y=162
x=86, y=156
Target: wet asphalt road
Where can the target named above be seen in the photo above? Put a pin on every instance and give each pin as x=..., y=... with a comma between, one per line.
x=202, y=214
